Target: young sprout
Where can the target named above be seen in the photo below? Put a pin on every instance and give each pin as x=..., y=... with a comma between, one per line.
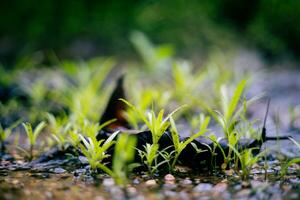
x=84, y=96
x=59, y=128
x=144, y=98
x=180, y=146
x=5, y=133
x=227, y=119
x=122, y=159
x=73, y=137
x=216, y=144
x=291, y=162
x=32, y=135
x=246, y=160
x=157, y=126
x=95, y=151
x=150, y=156
x=185, y=80
x=156, y=58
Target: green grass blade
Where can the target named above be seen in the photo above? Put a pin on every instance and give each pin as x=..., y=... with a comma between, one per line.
x=235, y=99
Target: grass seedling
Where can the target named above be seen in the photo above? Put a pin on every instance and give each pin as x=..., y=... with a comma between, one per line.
x=285, y=167
x=150, y=157
x=246, y=160
x=59, y=128
x=123, y=157
x=32, y=135
x=155, y=58
x=227, y=119
x=185, y=81
x=230, y=109
x=216, y=144
x=5, y=133
x=95, y=151
x=85, y=97
x=73, y=137
x=143, y=99
x=157, y=126
x=180, y=146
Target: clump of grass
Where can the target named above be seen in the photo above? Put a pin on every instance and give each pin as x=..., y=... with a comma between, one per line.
x=123, y=157
x=59, y=128
x=32, y=136
x=285, y=167
x=150, y=157
x=157, y=125
x=85, y=97
x=186, y=81
x=95, y=151
x=143, y=99
x=180, y=146
x=230, y=111
x=155, y=58
x=5, y=133
x=245, y=159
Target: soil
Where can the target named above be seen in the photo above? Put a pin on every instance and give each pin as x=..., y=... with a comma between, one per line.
x=70, y=178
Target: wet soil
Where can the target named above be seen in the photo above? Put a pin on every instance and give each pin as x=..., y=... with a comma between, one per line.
x=65, y=185
x=70, y=178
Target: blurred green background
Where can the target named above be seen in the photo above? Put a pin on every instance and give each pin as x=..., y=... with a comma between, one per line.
x=82, y=29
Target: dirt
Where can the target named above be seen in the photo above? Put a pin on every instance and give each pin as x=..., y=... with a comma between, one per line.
x=70, y=178
x=66, y=185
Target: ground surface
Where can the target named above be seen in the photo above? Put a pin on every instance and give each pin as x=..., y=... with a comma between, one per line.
x=60, y=179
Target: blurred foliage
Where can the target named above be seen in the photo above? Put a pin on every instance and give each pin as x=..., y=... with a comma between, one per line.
x=88, y=28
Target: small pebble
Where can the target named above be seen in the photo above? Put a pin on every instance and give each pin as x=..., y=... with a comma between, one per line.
x=245, y=184
x=151, y=182
x=59, y=170
x=243, y=194
x=78, y=172
x=132, y=191
x=169, y=179
x=170, y=193
x=220, y=187
x=48, y=195
x=203, y=187
x=183, y=195
x=136, y=181
x=255, y=183
x=229, y=172
x=108, y=182
x=186, y=182
x=83, y=159
x=169, y=186
x=99, y=198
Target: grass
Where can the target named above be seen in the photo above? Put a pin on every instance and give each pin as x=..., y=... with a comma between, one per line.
x=181, y=145
x=123, y=158
x=95, y=151
x=5, y=133
x=291, y=162
x=75, y=106
x=157, y=125
x=32, y=136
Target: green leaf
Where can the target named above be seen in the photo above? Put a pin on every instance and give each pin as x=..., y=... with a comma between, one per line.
x=175, y=135
x=235, y=99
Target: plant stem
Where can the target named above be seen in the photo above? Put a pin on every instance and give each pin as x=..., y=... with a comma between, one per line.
x=31, y=152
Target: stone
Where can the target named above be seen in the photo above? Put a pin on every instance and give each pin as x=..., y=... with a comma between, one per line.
x=151, y=182
x=59, y=170
x=203, y=187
